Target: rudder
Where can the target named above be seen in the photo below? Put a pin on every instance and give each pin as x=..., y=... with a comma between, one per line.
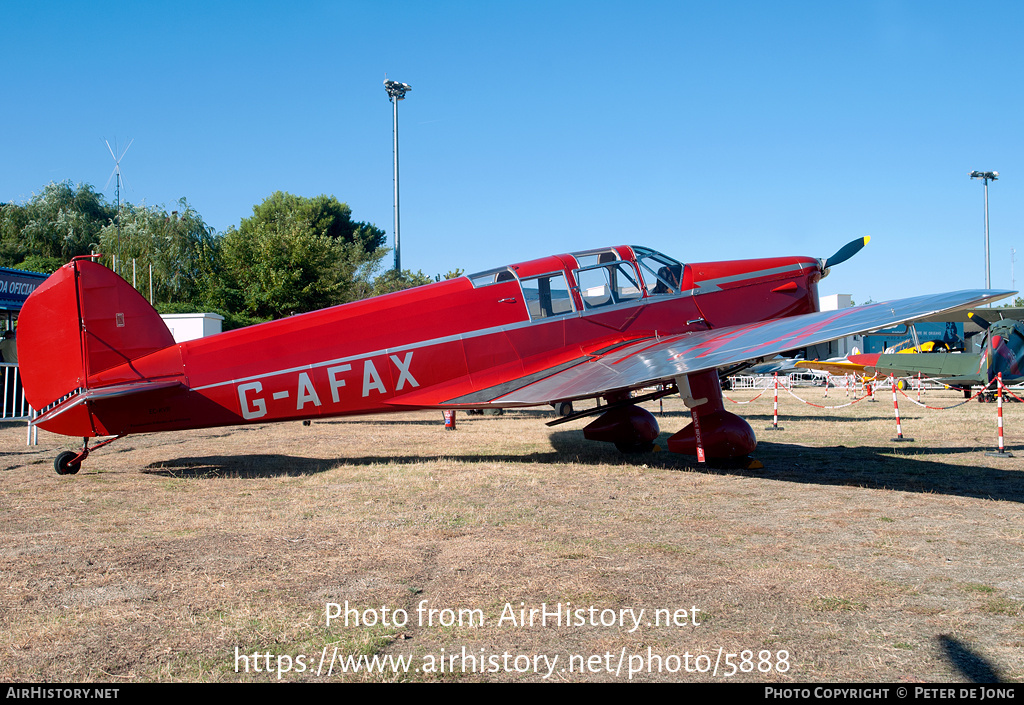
x=82, y=320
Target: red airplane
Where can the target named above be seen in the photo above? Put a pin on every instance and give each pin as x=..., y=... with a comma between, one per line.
x=97, y=360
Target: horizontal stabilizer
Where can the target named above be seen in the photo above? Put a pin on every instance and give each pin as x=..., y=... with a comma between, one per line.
x=117, y=390
x=833, y=367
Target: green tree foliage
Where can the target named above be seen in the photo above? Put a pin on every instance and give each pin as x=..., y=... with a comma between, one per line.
x=298, y=254
x=391, y=281
x=232, y=320
x=322, y=215
x=293, y=255
x=42, y=265
x=182, y=249
x=60, y=222
x=450, y=274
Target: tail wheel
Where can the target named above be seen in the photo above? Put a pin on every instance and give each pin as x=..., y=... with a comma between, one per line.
x=64, y=464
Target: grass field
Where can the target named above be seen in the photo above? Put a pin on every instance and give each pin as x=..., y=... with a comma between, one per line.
x=215, y=555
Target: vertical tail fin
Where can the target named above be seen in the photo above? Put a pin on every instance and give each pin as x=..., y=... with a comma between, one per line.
x=82, y=320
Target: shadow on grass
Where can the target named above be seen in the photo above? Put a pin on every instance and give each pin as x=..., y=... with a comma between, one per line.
x=462, y=415
x=884, y=414
x=244, y=466
x=902, y=468
x=974, y=668
x=905, y=468
x=755, y=419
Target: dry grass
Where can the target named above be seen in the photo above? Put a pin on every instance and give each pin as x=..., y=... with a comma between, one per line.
x=864, y=559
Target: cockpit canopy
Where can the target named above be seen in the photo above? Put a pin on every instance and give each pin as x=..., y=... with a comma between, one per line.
x=581, y=281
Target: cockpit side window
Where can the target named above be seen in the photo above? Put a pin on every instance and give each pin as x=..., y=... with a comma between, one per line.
x=547, y=296
x=608, y=284
x=592, y=257
x=492, y=276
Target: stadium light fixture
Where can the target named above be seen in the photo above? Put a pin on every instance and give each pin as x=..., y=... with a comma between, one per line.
x=396, y=92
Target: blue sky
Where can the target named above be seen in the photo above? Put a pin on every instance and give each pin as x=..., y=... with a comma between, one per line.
x=707, y=130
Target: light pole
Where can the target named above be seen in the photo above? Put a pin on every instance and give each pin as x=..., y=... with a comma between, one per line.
x=986, y=176
x=396, y=92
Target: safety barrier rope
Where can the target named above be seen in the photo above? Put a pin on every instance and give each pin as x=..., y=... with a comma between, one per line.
x=944, y=408
x=819, y=406
x=868, y=394
x=1000, y=452
x=748, y=400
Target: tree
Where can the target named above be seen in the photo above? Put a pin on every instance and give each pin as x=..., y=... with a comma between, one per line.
x=42, y=265
x=182, y=249
x=450, y=274
x=61, y=222
x=391, y=281
x=322, y=215
x=293, y=255
x=298, y=254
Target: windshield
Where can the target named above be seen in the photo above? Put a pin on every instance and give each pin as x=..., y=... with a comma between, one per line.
x=662, y=274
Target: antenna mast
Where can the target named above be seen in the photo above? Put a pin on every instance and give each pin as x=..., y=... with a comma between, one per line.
x=117, y=172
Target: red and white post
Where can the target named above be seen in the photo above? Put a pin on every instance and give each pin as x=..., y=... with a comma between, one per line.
x=775, y=408
x=1001, y=449
x=896, y=407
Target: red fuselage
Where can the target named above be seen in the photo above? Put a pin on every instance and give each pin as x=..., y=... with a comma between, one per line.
x=438, y=345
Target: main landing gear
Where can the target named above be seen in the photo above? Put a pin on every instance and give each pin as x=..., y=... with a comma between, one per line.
x=631, y=428
x=714, y=432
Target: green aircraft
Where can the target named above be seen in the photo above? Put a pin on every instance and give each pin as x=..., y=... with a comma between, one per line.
x=1002, y=352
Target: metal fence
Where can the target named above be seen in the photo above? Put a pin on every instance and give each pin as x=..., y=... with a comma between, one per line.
x=13, y=405
x=794, y=379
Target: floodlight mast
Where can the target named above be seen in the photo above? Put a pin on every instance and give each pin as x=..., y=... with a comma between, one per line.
x=396, y=92
x=986, y=176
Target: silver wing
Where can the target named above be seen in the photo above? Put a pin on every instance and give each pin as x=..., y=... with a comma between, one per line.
x=652, y=362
